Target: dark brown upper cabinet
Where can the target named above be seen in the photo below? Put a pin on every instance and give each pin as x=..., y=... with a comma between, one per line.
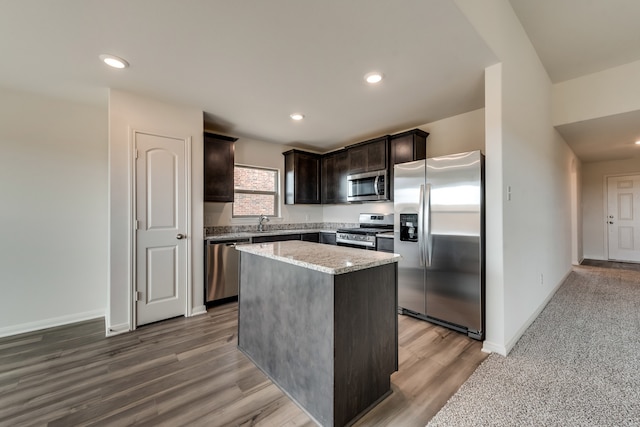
x=218, y=167
x=302, y=177
x=334, y=177
x=408, y=146
x=368, y=155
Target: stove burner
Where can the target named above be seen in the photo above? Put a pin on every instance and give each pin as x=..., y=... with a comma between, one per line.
x=360, y=237
x=365, y=235
x=366, y=230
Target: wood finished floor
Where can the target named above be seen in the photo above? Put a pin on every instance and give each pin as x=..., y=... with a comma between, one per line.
x=188, y=371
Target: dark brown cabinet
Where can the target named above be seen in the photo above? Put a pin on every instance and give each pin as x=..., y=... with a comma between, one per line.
x=328, y=238
x=305, y=237
x=334, y=177
x=368, y=155
x=384, y=244
x=302, y=177
x=310, y=237
x=276, y=238
x=408, y=146
x=218, y=167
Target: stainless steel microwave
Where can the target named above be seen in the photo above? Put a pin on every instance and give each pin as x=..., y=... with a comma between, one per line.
x=368, y=186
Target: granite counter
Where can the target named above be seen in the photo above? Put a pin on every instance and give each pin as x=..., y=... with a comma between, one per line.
x=325, y=258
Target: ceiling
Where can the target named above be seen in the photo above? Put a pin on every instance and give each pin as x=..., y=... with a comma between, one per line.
x=574, y=38
x=604, y=138
x=250, y=64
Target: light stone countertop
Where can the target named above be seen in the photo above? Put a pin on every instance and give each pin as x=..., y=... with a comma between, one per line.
x=325, y=258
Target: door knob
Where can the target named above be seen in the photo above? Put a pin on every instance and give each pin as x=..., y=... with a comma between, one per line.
x=610, y=222
x=180, y=236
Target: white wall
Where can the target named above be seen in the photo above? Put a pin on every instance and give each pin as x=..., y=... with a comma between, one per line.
x=457, y=134
x=524, y=153
x=128, y=112
x=259, y=153
x=53, y=215
x=606, y=93
x=577, y=235
x=594, y=202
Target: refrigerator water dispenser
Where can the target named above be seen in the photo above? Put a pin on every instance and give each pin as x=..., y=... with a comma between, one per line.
x=409, y=227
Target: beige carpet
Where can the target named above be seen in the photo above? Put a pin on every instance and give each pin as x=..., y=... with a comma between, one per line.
x=578, y=364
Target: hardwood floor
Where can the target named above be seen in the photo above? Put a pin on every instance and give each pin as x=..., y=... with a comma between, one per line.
x=188, y=371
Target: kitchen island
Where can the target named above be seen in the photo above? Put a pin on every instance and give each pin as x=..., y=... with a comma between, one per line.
x=321, y=322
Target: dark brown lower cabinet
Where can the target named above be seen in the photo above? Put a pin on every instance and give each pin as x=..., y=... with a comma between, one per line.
x=384, y=244
x=329, y=341
x=278, y=238
x=328, y=238
x=307, y=237
x=310, y=237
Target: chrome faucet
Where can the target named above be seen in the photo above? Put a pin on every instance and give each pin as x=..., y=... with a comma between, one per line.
x=263, y=218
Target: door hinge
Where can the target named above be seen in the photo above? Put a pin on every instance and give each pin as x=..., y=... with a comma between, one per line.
x=135, y=153
x=137, y=296
x=136, y=224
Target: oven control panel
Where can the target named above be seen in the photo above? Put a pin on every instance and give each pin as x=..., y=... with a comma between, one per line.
x=356, y=239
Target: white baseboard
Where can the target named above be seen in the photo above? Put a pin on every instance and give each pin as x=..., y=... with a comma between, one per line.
x=512, y=342
x=196, y=311
x=50, y=323
x=491, y=347
x=123, y=328
x=114, y=330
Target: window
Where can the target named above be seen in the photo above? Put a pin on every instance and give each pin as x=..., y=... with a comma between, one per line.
x=255, y=191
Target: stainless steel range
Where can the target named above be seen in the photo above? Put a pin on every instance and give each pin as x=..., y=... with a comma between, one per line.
x=364, y=237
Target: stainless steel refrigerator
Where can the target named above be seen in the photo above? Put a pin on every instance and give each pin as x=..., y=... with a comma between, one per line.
x=439, y=231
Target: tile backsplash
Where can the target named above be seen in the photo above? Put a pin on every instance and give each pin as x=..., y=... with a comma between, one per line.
x=232, y=229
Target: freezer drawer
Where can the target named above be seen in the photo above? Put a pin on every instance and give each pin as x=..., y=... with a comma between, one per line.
x=221, y=270
x=454, y=281
x=411, y=283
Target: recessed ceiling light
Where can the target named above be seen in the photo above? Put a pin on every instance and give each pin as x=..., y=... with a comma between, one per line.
x=114, y=61
x=297, y=116
x=638, y=142
x=373, y=77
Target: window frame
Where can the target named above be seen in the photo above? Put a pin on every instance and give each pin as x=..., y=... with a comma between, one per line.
x=275, y=193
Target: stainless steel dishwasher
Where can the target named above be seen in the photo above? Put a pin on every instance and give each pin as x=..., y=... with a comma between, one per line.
x=221, y=269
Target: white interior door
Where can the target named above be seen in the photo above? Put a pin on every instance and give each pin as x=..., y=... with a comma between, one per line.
x=623, y=217
x=161, y=242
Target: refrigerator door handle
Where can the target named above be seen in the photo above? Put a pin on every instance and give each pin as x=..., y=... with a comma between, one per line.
x=421, y=235
x=429, y=237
